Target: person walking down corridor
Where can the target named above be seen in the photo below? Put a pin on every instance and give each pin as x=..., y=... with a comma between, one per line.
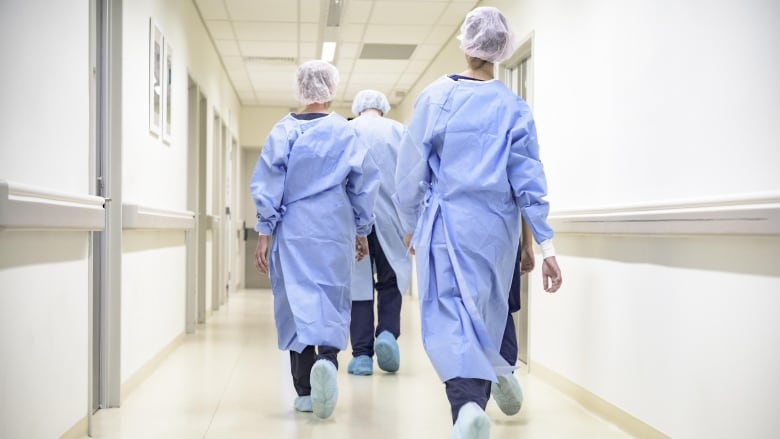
x=314, y=187
x=468, y=167
x=393, y=266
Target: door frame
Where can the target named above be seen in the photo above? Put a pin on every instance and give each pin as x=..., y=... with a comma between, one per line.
x=104, y=336
x=192, y=306
x=523, y=55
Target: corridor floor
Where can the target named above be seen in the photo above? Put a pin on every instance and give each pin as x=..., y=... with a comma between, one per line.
x=229, y=380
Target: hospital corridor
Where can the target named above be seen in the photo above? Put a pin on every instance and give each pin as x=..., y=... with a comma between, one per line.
x=466, y=219
x=230, y=381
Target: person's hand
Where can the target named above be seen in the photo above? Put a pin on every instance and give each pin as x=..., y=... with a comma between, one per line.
x=261, y=254
x=551, y=275
x=361, y=247
x=408, y=243
x=527, y=259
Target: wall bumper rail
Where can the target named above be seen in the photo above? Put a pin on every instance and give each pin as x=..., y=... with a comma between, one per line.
x=28, y=207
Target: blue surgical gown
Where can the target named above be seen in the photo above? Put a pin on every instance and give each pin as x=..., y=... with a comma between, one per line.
x=314, y=188
x=468, y=166
x=383, y=136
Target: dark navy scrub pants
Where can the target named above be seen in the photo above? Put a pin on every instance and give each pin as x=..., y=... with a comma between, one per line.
x=361, y=330
x=301, y=364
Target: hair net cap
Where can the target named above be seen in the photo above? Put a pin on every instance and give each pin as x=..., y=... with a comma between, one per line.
x=366, y=99
x=485, y=34
x=316, y=81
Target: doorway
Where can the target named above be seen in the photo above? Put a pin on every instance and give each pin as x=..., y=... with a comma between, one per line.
x=106, y=166
x=516, y=74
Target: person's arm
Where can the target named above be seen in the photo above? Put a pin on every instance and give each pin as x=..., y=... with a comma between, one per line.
x=261, y=254
x=362, y=186
x=267, y=188
x=529, y=184
x=527, y=258
x=413, y=174
x=267, y=183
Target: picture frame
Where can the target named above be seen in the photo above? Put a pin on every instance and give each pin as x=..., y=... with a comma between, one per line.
x=167, y=92
x=155, y=78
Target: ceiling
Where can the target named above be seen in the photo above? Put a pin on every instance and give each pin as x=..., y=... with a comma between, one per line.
x=383, y=45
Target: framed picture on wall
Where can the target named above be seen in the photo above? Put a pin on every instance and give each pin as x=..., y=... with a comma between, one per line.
x=155, y=78
x=167, y=108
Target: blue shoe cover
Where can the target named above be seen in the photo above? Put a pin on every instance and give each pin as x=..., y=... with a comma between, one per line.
x=507, y=394
x=324, y=388
x=303, y=403
x=361, y=365
x=472, y=423
x=387, y=356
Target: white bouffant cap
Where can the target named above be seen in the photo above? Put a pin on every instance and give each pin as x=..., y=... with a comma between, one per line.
x=316, y=81
x=366, y=99
x=485, y=34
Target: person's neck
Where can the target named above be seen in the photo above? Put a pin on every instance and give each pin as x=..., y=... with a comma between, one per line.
x=316, y=107
x=373, y=111
x=485, y=72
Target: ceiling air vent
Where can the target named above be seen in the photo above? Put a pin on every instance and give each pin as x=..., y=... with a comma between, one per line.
x=269, y=60
x=387, y=51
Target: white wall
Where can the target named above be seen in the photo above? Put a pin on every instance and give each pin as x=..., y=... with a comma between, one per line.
x=679, y=332
x=656, y=101
x=155, y=173
x=44, y=141
x=645, y=102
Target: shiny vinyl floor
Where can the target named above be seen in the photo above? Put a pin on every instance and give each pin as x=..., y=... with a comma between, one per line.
x=229, y=380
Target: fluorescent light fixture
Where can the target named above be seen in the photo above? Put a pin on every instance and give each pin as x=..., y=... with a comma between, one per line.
x=328, y=51
x=334, y=12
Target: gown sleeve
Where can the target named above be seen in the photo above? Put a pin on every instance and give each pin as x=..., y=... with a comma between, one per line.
x=413, y=174
x=526, y=176
x=267, y=182
x=362, y=188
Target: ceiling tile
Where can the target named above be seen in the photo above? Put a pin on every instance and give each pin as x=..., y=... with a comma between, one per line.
x=269, y=48
x=273, y=31
x=348, y=50
x=220, y=29
x=233, y=62
x=368, y=66
x=406, y=34
x=418, y=66
x=259, y=67
x=351, y=32
x=407, y=78
x=356, y=12
x=354, y=87
x=454, y=14
x=309, y=51
x=440, y=35
x=263, y=10
x=310, y=11
x=425, y=52
x=378, y=78
x=406, y=12
x=227, y=47
x=212, y=9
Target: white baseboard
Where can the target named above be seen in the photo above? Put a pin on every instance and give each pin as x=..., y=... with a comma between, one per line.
x=146, y=370
x=602, y=408
x=78, y=431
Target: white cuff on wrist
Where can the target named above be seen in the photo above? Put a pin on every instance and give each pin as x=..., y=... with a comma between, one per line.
x=547, y=248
